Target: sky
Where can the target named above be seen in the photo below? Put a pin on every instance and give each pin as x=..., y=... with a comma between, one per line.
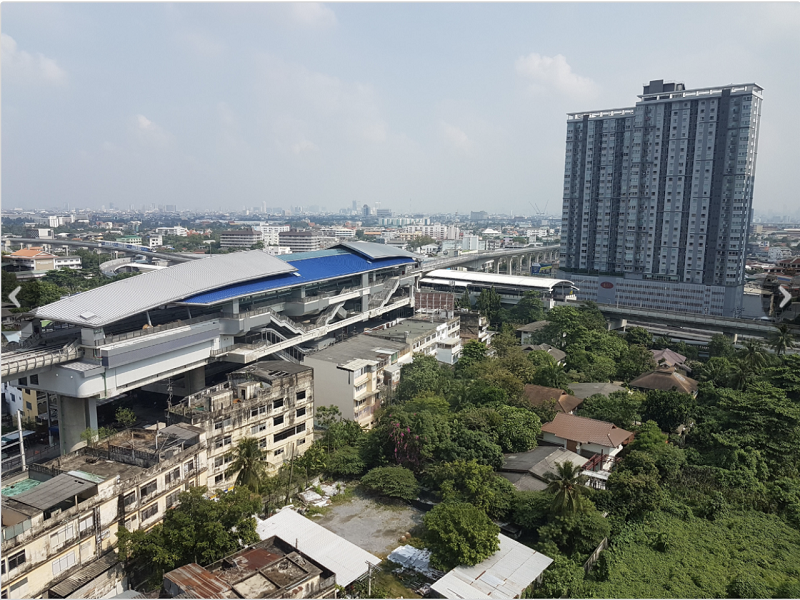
x=421, y=107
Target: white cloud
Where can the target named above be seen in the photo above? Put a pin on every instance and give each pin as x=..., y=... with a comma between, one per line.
x=553, y=73
x=331, y=110
x=313, y=15
x=200, y=44
x=24, y=67
x=150, y=134
x=456, y=137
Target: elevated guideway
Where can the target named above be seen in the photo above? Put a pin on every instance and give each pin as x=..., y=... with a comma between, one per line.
x=111, y=246
x=490, y=260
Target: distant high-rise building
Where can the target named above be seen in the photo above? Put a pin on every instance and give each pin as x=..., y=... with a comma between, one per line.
x=385, y=213
x=480, y=215
x=658, y=197
x=365, y=210
x=355, y=205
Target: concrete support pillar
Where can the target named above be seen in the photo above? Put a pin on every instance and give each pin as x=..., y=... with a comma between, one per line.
x=365, y=299
x=195, y=380
x=75, y=415
x=510, y=263
x=497, y=265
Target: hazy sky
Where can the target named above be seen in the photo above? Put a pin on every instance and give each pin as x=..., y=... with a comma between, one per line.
x=420, y=107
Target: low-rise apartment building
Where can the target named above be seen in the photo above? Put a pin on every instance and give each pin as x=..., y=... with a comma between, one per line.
x=301, y=241
x=271, y=233
x=474, y=326
x=430, y=336
x=177, y=230
x=60, y=519
x=357, y=374
x=36, y=259
x=239, y=238
x=272, y=401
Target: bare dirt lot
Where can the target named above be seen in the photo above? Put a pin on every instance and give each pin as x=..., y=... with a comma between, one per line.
x=369, y=524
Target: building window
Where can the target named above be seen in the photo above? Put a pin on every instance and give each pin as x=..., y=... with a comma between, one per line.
x=277, y=420
x=35, y=379
x=172, y=477
x=262, y=443
x=172, y=499
x=302, y=441
x=278, y=452
x=86, y=523
x=188, y=467
x=226, y=441
x=60, y=537
x=260, y=410
x=301, y=411
x=148, y=489
x=150, y=512
x=219, y=478
x=258, y=428
x=277, y=404
x=16, y=560
x=301, y=395
x=130, y=524
x=63, y=563
x=28, y=405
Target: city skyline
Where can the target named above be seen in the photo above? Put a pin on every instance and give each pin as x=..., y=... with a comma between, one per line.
x=208, y=105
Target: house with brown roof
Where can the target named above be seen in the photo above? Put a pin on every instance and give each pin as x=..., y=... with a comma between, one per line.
x=558, y=355
x=665, y=379
x=586, y=437
x=539, y=395
x=527, y=332
x=670, y=358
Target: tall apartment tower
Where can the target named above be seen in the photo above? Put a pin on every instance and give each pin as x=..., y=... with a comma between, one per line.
x=658, y=198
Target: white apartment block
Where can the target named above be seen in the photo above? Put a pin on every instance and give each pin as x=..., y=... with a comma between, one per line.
x=270, y=233
x=177, y=230
x=659, y=195
x=277, y=250
x=777, y=253
x=155, y=241
x=437, y=231
x=432, y=337
x=239, y=238
x=338, y=232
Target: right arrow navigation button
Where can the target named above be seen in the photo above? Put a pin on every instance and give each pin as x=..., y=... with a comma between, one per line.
x=786, y=296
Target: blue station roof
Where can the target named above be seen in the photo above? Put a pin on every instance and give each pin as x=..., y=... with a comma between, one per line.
x=310, y=267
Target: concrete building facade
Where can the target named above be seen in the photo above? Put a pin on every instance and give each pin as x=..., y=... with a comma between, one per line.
x=658, y=198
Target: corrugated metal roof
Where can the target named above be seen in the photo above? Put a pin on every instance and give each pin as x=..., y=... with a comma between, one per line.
x=496, y=279
x=53, y=491
x=308, y=270
x=312, y=254
x=586, y=431
x=505, y=574
x=91, y=571
x=197, y=582
x=335, y=553
x=128, y=297
x=376, y=251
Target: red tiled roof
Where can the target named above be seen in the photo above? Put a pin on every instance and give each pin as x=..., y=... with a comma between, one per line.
x=586, y=431
x=537, y=395
x=34, y=252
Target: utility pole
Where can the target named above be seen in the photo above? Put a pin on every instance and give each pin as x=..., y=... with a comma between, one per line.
x=369, y=579
x=21, y=443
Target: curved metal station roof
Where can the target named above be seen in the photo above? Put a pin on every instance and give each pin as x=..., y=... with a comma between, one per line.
x=217, y=278
x=446, y=276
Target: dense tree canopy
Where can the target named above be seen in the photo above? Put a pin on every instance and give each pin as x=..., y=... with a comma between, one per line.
x=459, y=533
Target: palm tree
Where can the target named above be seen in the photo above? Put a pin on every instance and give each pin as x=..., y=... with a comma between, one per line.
x=566, y=485
x=753, y=354
x=741, y=373
x=249, y=462
x=781, y=339
x=551, y=375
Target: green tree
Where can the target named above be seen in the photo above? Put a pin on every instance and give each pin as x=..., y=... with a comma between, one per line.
x=668, y=409
x=566, y=485
x=125, y=417
x=421, y=240
x=635, y=491
x=531, y=510
x=553, y=375
x=519, y=429
x=198, y=530
x=717, y=371
x=720, y=345
x=639, y=336
x=562, y=579
x=346, y=462
x=753, y=354
x=780, y=340
x=488, y=304
x=472, y=352
x=395, y=482
x=248, y=464
x=528, y=309
x=428, y=402
x=579, y=533
x=620, y=408
x=637, y=360
x=469, y=481
x=38, y=293
x=465, y=302
x=458, y=533
x=422, y=375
